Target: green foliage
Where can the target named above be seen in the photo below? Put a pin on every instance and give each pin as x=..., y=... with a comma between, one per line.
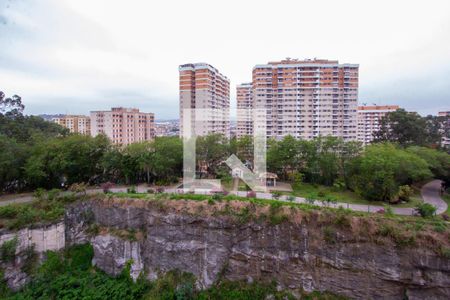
x=397, y=234
x=8, y=250
x=407, y=128
x=275, y=213
x=404, y=193
x=227, y=290
x=291, y=198
x=70, y=275
x=276, y=195
x=329, y=235
x=31, y=260
x=47, y=208
x=426, y=210
x=379, y=172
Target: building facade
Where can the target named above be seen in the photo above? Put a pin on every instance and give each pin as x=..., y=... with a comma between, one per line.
x=369, y=118
x=203, y=87
x=123, y=126
x=75, y=123
x=445, y=115
x=307, y=98
x=244, y=99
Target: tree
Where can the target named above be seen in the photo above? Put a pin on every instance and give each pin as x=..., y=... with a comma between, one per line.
x=211, y=152
x=11, y=107
x=72, y=159
x=438, y=161
x=407, y=128
x=12, y=158
x=382, y=168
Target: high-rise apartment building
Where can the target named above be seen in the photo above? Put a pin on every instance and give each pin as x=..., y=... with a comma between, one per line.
x=123, y=126
x=369, y=118
x=75, y=123
x=203, y=87
x=307, y=98
x=244, y=99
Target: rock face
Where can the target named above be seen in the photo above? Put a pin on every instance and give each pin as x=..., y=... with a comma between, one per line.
x=294, y=254
x=31, y=244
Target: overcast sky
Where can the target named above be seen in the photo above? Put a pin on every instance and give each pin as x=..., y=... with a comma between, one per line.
x=73, y=56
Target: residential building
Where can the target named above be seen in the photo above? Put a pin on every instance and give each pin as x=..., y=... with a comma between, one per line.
x=369, y=118
x=445, y=128
x=244, y=99
x=307, y=98
x=123, y=126
x=203, y=87
x=75, y=123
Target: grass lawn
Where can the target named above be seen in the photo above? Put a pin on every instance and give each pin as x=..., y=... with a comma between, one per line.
x=321, y=192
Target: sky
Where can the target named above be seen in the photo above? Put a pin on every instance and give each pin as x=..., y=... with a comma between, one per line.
x=74, y=56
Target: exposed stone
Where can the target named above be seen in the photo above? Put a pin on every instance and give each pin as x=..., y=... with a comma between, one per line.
x=295, y=255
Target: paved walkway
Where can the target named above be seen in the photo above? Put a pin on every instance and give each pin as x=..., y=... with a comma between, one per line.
x=430, y=194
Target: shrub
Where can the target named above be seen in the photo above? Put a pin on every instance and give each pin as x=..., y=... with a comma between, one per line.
x=79, y=188
x=39, y=193
x=321, y=194
x=53, y=194
x=276, y=195
x=404, y=193
x=388, y=210
x=131, y=190
x=217, y=196
x=106, y=187
x=329, y=235
x=425, y=210
x=8, y=250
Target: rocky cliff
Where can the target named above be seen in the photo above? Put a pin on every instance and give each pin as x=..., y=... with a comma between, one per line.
x=348, y=255
x=28, y=244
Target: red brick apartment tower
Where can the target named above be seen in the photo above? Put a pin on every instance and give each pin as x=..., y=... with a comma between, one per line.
x=203, y=87
x=123, y=126
x=369, y=118
x=308, y=98
x=244, y=98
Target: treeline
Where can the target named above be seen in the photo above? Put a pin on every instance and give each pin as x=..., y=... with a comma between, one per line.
x=39, y=154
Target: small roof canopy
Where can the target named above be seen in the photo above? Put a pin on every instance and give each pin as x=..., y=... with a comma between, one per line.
x=268, y=175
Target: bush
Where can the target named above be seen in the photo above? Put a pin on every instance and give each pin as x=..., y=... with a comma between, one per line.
x=276, y=195
x=79, y=188
x=8, y=250
x=329, y=235
x=106, y=187
x=404, y=193
x=39, y=193
x=217, y=196
x=425, y=210
x=131, y=190
x=321, y=194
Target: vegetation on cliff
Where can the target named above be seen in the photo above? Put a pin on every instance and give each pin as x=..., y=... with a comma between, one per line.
x=70, y=275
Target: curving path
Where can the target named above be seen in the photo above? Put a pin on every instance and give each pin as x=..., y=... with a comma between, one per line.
x=430, y=194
